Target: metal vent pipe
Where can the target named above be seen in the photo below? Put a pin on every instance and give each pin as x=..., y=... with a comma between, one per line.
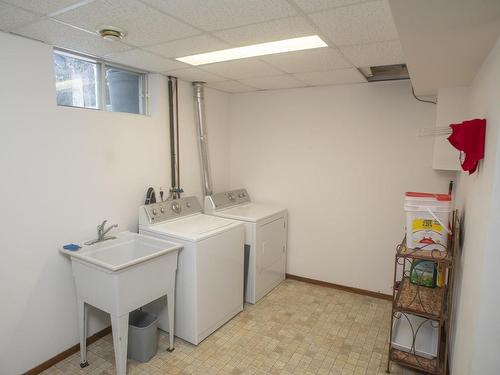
x=199, y=103
x=173, y=112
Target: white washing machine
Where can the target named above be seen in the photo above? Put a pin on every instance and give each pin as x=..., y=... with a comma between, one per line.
x=265, y=239
x=209, y=290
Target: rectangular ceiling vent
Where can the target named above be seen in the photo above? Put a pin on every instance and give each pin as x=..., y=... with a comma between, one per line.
x=385, y=72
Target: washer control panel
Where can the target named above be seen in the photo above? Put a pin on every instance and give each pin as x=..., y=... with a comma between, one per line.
x=229, y=198
x=167, y=210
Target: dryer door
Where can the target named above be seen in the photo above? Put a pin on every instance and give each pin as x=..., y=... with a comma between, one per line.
x=271, y=257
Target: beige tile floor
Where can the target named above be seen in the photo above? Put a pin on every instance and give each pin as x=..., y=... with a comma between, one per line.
x=298, y=328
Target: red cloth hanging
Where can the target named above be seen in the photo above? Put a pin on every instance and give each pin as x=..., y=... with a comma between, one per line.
x=468, y=137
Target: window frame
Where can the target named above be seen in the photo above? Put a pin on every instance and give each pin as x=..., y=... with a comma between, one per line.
x=144, y=104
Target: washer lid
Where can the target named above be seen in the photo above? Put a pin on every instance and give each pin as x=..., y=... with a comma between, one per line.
x=193, y=228
x=252, y=212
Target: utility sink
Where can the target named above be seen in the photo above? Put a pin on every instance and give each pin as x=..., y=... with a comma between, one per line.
x=126, y=250
x=120, y=275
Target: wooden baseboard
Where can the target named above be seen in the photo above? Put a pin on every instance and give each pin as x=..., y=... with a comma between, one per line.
x=363, y=292
x=68, y=352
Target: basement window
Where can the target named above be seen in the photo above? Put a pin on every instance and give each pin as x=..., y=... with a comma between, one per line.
x=85, y=82
x=76, y=81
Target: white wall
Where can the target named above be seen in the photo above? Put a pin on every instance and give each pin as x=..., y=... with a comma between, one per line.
x=452, y=108
x=476, y=345
x=63, y=170
x=340, y=158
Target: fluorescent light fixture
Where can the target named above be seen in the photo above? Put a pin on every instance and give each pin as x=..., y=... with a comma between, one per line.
x=261, y=49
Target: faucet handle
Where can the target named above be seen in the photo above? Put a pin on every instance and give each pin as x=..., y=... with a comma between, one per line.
x=101, y=233
x=101, y=226
x=105, y=231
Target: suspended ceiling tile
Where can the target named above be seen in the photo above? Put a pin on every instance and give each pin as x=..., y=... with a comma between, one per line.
x=195, y=74
x=267, y=31
x=143, y=25
x=358, y=24
x=144, y=60
x=44, y=6
x=339, y=76
x=230, y=86
x=189, y=46
x=271, y=83
x=60, y=35
x=382, y=53
x=312, y=60
x=12, y=17
x=224, y=14
x=241, y=69
x=309, y=6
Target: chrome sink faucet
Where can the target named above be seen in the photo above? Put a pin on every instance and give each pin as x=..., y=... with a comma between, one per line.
x=101, y=233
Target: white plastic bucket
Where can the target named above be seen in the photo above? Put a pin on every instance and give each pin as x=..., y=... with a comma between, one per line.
x=427, y=218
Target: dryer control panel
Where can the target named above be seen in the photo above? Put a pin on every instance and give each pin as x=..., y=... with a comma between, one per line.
x=227, y=199
x=167, y=210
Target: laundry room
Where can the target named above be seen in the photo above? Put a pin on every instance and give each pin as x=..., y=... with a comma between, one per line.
x=250, y=187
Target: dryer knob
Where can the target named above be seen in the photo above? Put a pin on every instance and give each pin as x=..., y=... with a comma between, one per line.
x=162, y=210
x=155, y=211
x=176, y=207
x=230, y=196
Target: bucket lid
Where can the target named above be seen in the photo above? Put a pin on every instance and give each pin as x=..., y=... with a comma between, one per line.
x=439, y=197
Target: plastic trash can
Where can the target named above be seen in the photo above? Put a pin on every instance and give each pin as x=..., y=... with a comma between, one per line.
x=142, y=335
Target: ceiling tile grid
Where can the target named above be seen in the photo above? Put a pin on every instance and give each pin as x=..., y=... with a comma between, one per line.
x=60, y=35
x=360, y=33
x=332, y=77
x=44, y=7
x=231, y=86
x=241, y=69
x=142, y=59
x=195, y=74
x=310, y=6
x=285, y=81
x=285, y=28
x=188, y=46
x=212, y=15
x=375, y=54
x=12, y=17
x=357, y=24
x=310, y=60
x=144, y=25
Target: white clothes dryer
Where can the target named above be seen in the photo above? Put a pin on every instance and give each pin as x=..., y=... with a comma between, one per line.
x=265, y=239
x=209, y=289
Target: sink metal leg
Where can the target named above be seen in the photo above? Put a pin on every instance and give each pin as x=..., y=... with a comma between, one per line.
x=171, y=318
x=82, y=332
x=119, y=325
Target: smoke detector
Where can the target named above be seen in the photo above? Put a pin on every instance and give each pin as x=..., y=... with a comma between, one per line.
x=111, y=33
